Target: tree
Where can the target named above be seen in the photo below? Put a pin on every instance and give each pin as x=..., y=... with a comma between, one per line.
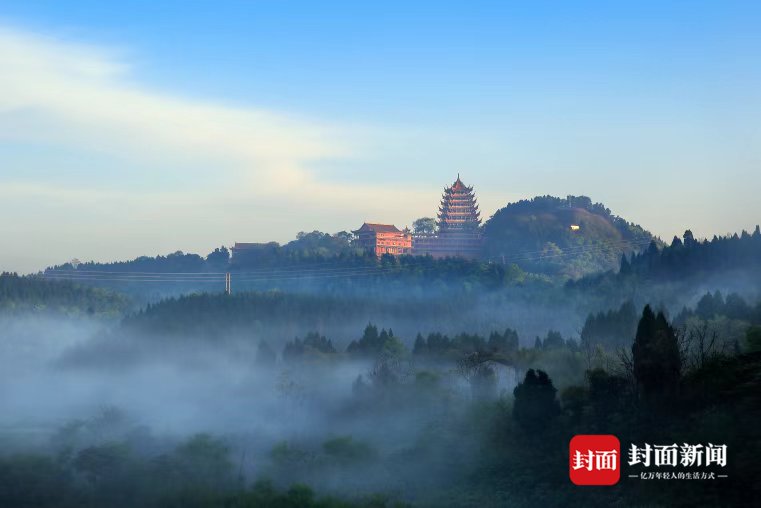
x=220, y=258
x=710, y=305
x=553, y=340
x=655, y=355
x=373, y=344
x=625, y=267
x=424, y=226
x=313, y=345
x=535, y=404
x=607, y=394
x=504, y=343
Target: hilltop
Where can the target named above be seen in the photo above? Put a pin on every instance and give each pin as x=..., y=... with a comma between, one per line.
x=569, y=237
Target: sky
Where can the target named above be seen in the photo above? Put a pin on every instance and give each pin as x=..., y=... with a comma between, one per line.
x=142, y=127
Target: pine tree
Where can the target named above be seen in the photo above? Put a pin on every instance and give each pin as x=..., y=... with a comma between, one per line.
x=655, y=352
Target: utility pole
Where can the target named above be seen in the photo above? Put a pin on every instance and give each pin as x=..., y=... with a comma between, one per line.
x=228, y=284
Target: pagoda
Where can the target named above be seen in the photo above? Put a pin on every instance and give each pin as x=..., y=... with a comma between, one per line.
x=458, y=212
x=459, y=221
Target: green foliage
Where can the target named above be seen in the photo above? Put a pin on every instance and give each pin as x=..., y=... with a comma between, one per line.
x=537, y=235
x=36, y=294
x=691, y=260
x=373, y=344
x=219, y=258
x=313, y=345
x=424, y=226
x=612, y=330
x=535, y=405
x=437, y=346
x=656, y=357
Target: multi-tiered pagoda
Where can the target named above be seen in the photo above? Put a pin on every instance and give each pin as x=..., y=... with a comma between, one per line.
x=459, y=223
x=458, y=211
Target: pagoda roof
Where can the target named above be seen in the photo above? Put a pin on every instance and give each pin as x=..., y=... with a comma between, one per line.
x=458, y=185
x=378, y=228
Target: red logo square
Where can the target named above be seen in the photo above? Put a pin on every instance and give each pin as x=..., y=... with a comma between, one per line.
x=594, y=459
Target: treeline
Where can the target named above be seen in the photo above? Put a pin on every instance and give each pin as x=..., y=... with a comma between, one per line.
x=612, y=330
x=375, y=344
x=34, y=293
x=688, y=256
x=301, y=268
x=685, y=258
x=282, y=315
x=615, y=328
x=438, y=346
x=307, y=247
x=714, y=305
x=218, y=316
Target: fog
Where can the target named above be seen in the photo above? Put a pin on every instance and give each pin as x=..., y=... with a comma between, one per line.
x=395, y=423
x=74, y=383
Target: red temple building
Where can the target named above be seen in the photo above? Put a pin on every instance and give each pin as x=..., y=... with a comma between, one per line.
x=459, y=221
x=384, y=239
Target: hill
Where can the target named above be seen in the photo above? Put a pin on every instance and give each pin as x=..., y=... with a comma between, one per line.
x=569, y=237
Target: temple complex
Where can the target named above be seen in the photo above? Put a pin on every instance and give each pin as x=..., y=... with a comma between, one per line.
x=458, y=230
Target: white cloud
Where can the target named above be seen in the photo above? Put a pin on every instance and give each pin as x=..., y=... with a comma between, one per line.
x=63, y=93
x=245, y=172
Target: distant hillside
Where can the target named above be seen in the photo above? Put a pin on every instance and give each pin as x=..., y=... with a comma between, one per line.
x=35, y=294
x=568, y=237
x=688, y=265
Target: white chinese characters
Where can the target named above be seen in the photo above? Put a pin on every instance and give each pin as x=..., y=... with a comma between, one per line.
x=674, y=455
x=598, y=460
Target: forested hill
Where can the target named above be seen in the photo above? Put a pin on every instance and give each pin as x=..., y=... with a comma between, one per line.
x=34, y=294
x=568, y=237
x=735, y=257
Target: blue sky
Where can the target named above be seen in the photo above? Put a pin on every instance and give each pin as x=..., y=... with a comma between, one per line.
x=155, y=126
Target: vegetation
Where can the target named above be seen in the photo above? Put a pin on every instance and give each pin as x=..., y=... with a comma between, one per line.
x=22, y=294
x=568, y=237
x=467, y=394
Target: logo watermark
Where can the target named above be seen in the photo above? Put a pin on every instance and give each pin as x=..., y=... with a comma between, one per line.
x=595, y=459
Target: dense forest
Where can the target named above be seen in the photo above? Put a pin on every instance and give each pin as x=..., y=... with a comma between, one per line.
x=332, y=378
x=449, y=424
x=569, y=237
x=34, y=294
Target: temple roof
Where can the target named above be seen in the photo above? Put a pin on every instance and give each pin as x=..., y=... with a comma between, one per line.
x=458, y=185
x=378, y=228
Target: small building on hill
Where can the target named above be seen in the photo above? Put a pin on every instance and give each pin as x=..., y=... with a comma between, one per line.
x=384, y=239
